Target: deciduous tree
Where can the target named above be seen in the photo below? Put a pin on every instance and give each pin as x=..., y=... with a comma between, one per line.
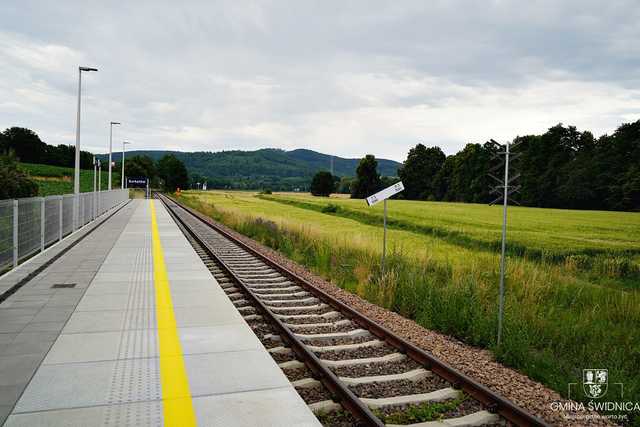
x=367, y=179
x=322, y=184
x=418, y=172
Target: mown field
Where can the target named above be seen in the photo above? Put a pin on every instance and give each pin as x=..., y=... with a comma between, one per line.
x=573, y=279
x=59, y=180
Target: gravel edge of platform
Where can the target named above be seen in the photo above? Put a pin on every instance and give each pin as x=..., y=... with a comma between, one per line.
x=475, y=362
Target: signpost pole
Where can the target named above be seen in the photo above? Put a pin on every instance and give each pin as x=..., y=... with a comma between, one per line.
x=382, y=196
x=384, y=237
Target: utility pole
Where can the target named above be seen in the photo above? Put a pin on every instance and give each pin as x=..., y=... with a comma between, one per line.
x=505, y=190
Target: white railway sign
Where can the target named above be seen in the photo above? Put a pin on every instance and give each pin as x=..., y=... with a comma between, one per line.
x=385, y=194
x=379, y=197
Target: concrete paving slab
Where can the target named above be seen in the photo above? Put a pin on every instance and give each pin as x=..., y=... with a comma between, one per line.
x=76, y=385
x=232, y=372
x=25, y=347
x=17, y=370
x=129, y=414
x=218, y=339
x=85, y=347
x=95, y=321
x=104, y=302
x=44, y=326
x=207, y=316
x=274, y=408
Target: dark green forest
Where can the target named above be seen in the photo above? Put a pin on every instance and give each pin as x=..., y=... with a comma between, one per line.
x=267, y=168
x=562, y=168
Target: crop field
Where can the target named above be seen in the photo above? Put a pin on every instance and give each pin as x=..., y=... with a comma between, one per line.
x=59, y=180
x=573, y=277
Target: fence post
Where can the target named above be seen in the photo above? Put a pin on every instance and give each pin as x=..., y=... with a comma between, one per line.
x=15, y=233
x=60, y=218
x=42, y=203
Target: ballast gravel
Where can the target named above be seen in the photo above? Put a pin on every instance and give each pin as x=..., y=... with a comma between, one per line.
x=399, y=387
x=377, y=368
x=358, y=353
x=314, y=394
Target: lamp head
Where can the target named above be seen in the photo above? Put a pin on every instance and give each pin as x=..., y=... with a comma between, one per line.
x=88, y=69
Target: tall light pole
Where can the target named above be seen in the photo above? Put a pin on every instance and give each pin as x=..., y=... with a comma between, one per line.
x=76, y=175
x=111, y=148
x=122, y=180
x=95, y=197
x=99, y=187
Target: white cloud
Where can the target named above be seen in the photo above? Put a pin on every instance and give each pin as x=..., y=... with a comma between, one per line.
x=346, y=78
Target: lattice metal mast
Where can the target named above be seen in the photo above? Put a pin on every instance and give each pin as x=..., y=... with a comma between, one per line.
x=505, y=190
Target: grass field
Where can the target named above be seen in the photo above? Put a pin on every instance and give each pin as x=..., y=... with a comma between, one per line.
x=572, y=299
x=59, y=180
x=607, y=243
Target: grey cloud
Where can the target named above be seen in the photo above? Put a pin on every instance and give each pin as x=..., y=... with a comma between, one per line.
x=345, y=77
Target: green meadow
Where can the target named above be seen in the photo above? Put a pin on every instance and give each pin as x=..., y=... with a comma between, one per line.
x=573, y=277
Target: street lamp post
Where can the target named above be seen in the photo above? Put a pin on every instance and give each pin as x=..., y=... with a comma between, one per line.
x=76, y=175
x=111, y=148
x=99, y=187
x=95, y=197
x=122, y=180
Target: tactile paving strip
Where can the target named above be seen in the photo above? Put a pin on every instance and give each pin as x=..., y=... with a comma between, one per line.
x=141, y=414
x=137, y=372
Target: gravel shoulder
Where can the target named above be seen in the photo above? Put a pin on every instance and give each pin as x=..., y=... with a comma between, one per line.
x=477, y=363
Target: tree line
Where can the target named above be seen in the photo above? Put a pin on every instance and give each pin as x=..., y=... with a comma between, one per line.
x=29, y=148
x=562, y=168
x=168, y=173
x=24, y=145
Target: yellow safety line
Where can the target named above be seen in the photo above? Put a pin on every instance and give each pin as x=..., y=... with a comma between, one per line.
x=176, y=396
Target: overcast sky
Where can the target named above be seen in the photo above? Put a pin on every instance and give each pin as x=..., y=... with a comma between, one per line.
x=347, y=78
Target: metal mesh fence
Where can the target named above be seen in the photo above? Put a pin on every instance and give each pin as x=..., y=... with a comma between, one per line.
x=6, y=234
x=67, y=214
x=43, y=221
x=52, y=219
x=28, y=226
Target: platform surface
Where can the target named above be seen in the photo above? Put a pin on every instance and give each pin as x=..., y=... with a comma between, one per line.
x=145, y=337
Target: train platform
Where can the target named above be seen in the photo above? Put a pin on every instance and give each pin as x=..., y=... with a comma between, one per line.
x=130, y=328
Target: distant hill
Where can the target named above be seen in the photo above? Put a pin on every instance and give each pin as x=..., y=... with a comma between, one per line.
x=269, y=167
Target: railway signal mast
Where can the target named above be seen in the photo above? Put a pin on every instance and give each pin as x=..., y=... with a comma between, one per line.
x=504, y=190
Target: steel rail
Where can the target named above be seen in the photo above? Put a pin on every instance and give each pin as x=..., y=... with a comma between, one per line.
x=338, y=389
x=493, y=401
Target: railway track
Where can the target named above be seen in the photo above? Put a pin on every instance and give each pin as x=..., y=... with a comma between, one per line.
x=348, y=369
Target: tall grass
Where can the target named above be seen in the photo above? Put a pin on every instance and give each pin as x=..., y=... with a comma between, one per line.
x=611, y=262
x=554, y=326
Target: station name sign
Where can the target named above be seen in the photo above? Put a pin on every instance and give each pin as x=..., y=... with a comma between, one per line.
x=385, y=194
x=137, y=182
